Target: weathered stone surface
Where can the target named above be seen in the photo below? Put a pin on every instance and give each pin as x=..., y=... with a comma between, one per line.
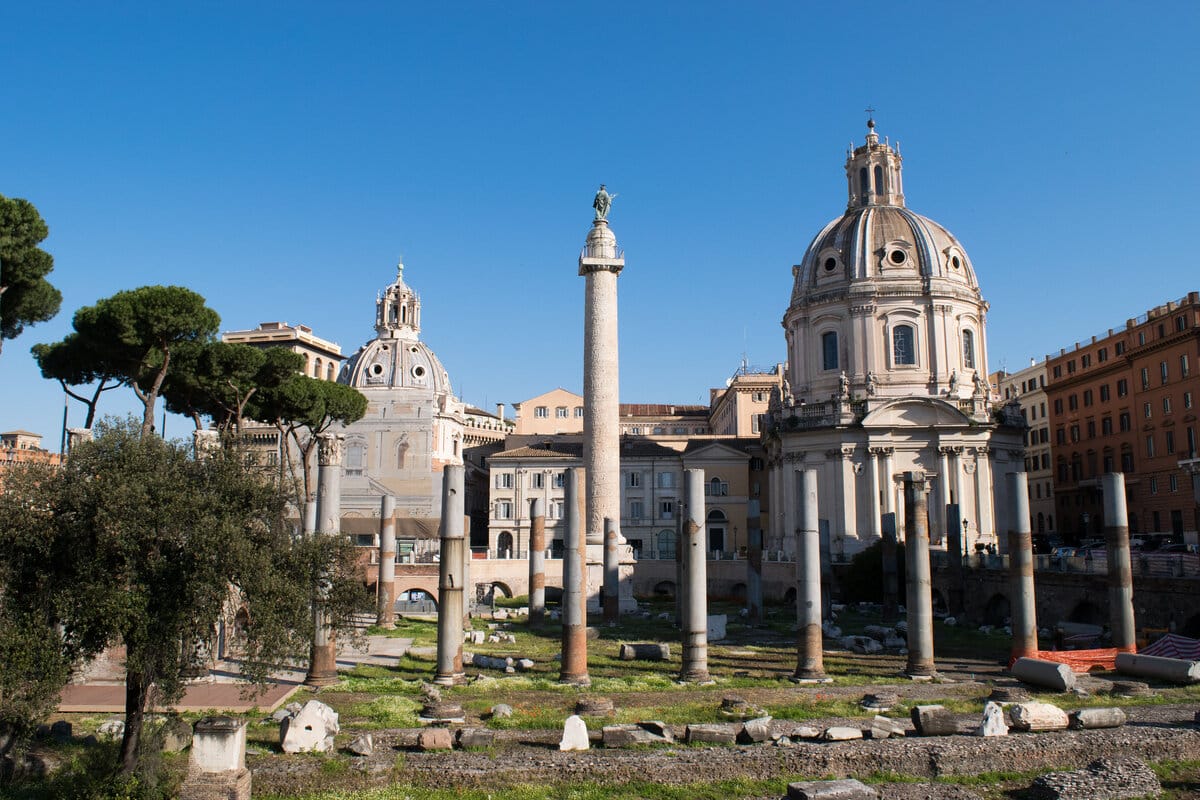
x=435, y=739
x=595, y=707
x=659, y=729
x=501, y=711
x=279, y=715
x=524, y=664
x=218, y=746
x=362, y=745
x=175, y=735
x=628, y=736
x=575, y=734
x=111, y=730
x=311, y=730
x=645, y=652
x=934, y=721
x=61, y=730
x=1036, y=716
x=734, y=707
x=475, y=738
x=848, y=789
x=441, y=712
x=712, y=734
x=1103, y=779
x=993, y=723
x=880, y=701
x=232, y=785
x=1009, y=694
x=842, y=733
x=798, y=732
x=885, y=728
x=716, y=627
x=1091, y=718
x=755, y=731
x=864, y=645
x=1047, y=674
x=1131, y=689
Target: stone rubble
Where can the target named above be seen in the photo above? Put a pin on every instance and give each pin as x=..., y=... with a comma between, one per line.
x=1103, y=779
x=361, y=745
x=311, y=730
x=846, y=789
x=993, y=723
x=575, y=734
x=1035, y=716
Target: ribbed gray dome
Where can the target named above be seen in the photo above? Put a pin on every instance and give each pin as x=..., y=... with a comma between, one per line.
x=394, y=364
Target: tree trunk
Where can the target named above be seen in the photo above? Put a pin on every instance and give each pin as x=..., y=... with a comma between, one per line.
x=137, y=689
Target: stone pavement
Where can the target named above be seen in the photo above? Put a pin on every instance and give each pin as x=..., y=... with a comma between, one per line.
x=103, y=691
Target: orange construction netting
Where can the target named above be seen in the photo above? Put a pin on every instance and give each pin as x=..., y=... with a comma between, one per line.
x=1083, y=661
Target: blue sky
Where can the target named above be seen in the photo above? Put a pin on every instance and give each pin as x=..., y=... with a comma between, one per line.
x=279, y=157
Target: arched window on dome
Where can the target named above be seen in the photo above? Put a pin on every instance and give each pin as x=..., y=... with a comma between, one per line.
x=904, y=345
x=968, y=344
x=864, y=182
x=829, y=350
x=879, y=180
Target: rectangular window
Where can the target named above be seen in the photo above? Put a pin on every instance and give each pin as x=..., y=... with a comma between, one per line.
x=1085, y=360
x=1042, y=407
x=560, y=480
x=1187, y=399
x=1170, y=437
x=1091, y=428
x=666, y=480
x=1174, y=483
x=1044, y=438
x=1126, y=462
x=579, y=412
x=1150, y=446
x=1102, y=355
x=1071, y=367
x=1147, y=410
x=1074, y=433
x=537, y=480
x=1060, y=436
x=1045, y=461
x=1108, y=463
x=1119, y=348
x=1124, y=422
x=1106, y=426
x=1183, y=365
x=504, y=480
x=666, y=509
x=1058, y=408
x=635, y=509
x=1166, y=405
x=829, y=350
x=1191, y=442
x=1073, y=402
x=1162, y=371
x=1180, y=323
x=561, y=412
x=541, y=412
x=556, y=509
x=1104, y=393
x=756, y=423
x=1141, y=338
x=1145, y=377
x=1058, y=371
x=1154, y=487
x=1122, y=387
x=1088, y=397
x=503, y=509
x=635, y=480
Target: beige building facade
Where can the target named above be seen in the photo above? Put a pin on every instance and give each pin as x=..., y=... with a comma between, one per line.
x=1028, y=388
x=322, y=358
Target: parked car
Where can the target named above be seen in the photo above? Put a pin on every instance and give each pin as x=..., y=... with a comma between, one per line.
x=1060, y=553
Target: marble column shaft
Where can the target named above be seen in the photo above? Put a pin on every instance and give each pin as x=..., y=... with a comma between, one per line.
x=695, y=581
x=386, y=610
x=450, y=578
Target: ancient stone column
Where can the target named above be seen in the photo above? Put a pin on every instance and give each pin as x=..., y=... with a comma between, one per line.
x=77, y=436
x=1020, y=568
x=754, y=556
x=600, y=263
x=695, y=581
x=574, y=668
x=450, y=579
x=920, y=587
x=322, y=669
x=205, y=442
x=612, y=577
x=537, y=563
x=386, y=611
x=810, y=663
x=310, y=516
x=891, y=580
x=1120, y=572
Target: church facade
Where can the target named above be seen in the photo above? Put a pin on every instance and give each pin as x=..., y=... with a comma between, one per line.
x=887, y=373
x=414, y=424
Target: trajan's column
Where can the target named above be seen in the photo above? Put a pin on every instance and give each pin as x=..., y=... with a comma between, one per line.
x=600, y=263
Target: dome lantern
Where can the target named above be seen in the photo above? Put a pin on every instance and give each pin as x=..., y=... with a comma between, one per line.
x=873, y=173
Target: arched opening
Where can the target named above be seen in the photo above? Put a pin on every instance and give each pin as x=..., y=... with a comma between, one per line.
x=329, y=371
x=864, y=182
x=968, y=343
x=940, y=608
x=666, y=544
x=664, y=589
x=415, y=601
x=504, y=545
x=501, y=589
x=829, y=350
x=879, y=189
x=789, y=597
x=317, y=368
x=738, y=592
x=997, y=612
x=904, y=350
x=1087, y=613
x=717, y=522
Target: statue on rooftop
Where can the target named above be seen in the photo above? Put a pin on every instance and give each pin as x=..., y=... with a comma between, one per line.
x=602, y=203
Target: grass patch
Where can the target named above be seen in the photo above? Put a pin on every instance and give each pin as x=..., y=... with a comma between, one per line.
x=388, y=711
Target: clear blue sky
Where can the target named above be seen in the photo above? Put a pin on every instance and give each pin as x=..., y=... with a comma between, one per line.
x=279, y=157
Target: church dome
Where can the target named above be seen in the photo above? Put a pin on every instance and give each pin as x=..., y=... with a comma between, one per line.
x=396, y=358
x=884, y=301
